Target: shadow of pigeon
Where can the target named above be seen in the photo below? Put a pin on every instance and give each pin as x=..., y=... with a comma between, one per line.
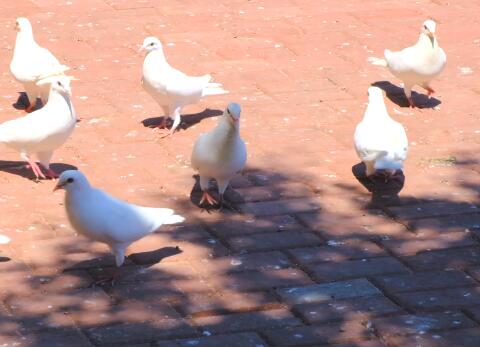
x=397, y=96
x=188, y=120
x=20, y=168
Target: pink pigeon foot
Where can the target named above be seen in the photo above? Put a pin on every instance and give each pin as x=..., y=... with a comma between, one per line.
x=430, y=91
x=51, y=174
x=208, y=198
x=30, y=108
x=36, y=169
x=410, y=102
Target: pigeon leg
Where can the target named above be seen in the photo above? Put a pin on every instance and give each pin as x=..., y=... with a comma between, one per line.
x=208, y=198
x=176, y=120
x=429, y=90
x=34, y=166
x=51, y=174
x=410, y=102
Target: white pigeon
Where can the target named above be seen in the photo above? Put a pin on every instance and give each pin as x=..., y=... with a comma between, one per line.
x=30, y=62
x=420, y=63
x=220, y=153
x=103, y=218
x=43, y=131
x=171, y=88
x=381, y=143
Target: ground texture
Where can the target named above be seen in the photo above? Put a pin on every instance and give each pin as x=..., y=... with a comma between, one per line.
x=310, y=255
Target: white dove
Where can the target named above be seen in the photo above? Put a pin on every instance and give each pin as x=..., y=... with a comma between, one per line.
x=171, y=88
x=220, y=153
x=43, y=131
x=420, y=63
x=103, y=218
x=381, y=143
x=30, y=62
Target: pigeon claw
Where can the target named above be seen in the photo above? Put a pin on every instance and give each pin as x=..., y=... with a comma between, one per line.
x=51, y=174
x=206, y=197
x=30, y=108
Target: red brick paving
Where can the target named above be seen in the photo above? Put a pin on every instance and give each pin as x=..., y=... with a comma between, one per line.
x=310, y=257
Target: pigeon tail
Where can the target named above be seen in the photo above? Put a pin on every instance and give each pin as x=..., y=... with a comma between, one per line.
x=174, y=219
x=378, y=61
x=214, y=89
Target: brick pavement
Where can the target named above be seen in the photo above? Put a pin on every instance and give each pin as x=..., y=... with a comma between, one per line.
x=310, y=257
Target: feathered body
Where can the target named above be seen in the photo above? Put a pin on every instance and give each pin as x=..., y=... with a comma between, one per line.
x=220, y=153
x=169, y=87
x=420, y=63
x=101, y=217
x=43, y=131
x=381, y=142
x=31, y=62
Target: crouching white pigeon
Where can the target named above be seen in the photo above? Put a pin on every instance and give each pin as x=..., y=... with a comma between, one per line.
x=30, y=62
x=171, y=88
x=43, y=131
x=381, y=143
x=420, y=63
x=220, y=153
x=103, y=218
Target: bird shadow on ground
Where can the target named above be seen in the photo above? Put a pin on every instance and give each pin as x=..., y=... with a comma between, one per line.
x=188, y=120
x=22, y=102
x=230, y=197
x=20, y=168
x=397, y=96
x=383, y=190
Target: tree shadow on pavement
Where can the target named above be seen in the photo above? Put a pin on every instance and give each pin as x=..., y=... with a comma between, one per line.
x=298, y=266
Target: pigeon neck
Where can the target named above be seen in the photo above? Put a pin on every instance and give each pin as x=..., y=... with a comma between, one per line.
x=158, y=52
x=55, y=98
x=226, y=127
x=376, y=109
x=428, y=41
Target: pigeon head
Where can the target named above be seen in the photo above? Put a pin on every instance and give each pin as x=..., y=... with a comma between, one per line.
x=429, y=27
x=374, y=93
x=23, y=25
x=71, y=180
x=59, y=83
x=232, y=112
x=151, y=43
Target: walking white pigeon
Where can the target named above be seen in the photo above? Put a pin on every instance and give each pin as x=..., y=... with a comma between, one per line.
x=381, y=143
x=103, y=218
x=420, y=63
x=30, y=62
x=43, y=131
x=171, y=88
x=220, y=153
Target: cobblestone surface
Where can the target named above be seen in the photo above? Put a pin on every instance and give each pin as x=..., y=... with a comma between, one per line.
x=310, y=256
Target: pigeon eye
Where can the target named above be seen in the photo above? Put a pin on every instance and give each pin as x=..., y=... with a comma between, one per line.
x=70, y=180
x=60, y=84
x=152, y=44
x=425, y=27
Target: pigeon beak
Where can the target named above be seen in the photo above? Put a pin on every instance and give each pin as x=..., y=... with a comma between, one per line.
x=58, y=186
x=17, y=27
x=140, y=49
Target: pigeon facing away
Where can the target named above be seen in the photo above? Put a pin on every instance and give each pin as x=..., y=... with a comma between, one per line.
x=381, y=143
x=171, y=88
x=220, y=153
x=30, y=62
x=103, y=218
x=43, y=131
x=420, y=63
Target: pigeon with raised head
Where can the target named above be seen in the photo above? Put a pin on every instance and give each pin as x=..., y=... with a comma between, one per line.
x=220, y=153
x=171, y=88
x=103, y=218
x=381, y=142
x=41, y=132
x=31, y=62
x=418, y=64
